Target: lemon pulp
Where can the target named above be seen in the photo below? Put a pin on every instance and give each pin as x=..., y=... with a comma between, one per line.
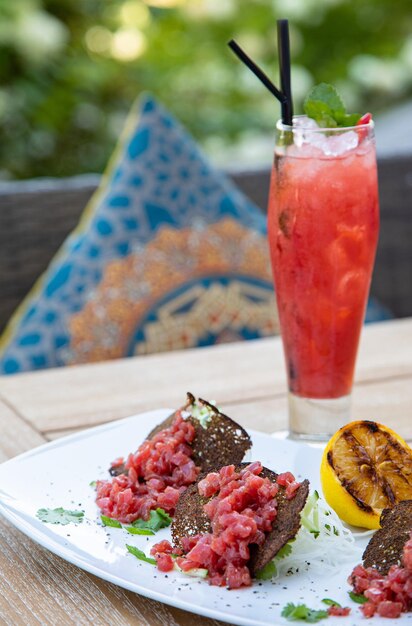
x=366, y=467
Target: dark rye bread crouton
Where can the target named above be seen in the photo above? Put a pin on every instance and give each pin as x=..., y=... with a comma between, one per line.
x=190, y=519
x=386, y=546
x=221, y=442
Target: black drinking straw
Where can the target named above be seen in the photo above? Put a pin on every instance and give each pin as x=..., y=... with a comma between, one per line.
x=284, y=94
x=257, y=71
x=284, y=66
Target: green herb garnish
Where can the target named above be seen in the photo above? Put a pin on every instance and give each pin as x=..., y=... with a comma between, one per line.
x=138, y=531
x=158, y=519
x=267, y=572
x=324, y=104
x=330, y=602
x=202, y=413
x=93, y=483
x=139, y=554
x=108, y=521
x=357, y=597
x=270, y=569
x=286, y=550
x=295, y=612
x=60, y=516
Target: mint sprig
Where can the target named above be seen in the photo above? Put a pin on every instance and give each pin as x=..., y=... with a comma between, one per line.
x=324, y=105
x=60, y=516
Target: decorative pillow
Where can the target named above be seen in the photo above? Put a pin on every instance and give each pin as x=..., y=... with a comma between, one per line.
x=168, y=254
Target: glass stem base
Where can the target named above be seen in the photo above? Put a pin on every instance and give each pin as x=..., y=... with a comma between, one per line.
x=317, y=419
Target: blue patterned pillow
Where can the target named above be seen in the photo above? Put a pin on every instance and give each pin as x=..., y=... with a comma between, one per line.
x=168, y=254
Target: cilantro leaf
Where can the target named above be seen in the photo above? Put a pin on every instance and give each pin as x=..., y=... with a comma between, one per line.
x=138, y=531
x=357, y=597
x=108, y=521
x=167, y=520
x=158, y=519
x=330, y=602
x=93, y=483
x=270, y=569
x=60, y=516
x=285, y=551
x=267, y=572
x=139, y=554
x=324, y=104
x=295, y=612
x=315, y=616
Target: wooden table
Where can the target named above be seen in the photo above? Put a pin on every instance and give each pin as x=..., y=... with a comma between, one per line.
x=247, y=379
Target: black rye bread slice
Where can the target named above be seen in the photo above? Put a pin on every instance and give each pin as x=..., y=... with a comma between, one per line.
x=386, y=546
x=222, y=442
x=190, y=519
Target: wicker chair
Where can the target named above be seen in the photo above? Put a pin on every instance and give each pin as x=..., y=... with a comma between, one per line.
x=37, y=215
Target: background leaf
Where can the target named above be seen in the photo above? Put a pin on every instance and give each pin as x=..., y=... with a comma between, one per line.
x=70, y=70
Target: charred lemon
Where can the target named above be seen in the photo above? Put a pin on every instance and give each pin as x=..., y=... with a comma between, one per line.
x=366, y=467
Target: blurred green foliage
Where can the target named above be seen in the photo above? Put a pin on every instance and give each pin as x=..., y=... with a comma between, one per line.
x=70, y=69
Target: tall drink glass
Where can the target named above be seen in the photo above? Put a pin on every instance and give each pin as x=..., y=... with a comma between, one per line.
x=323, y=222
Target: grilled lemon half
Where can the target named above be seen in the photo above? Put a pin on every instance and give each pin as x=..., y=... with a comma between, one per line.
x=366, y=467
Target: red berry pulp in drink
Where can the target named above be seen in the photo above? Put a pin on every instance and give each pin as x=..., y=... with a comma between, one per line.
x=323, y=222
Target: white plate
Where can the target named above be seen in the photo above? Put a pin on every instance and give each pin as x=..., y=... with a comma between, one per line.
x=59, y=474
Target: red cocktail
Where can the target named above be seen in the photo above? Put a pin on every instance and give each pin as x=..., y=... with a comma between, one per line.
x=323, y=230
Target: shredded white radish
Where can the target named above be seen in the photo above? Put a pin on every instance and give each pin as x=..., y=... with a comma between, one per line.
x=361, y=534
x=322, y=544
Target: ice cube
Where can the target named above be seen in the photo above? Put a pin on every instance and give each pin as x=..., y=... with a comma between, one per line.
x=340, y=143
x=300, y=125
x=334, y=144
x=303, y=122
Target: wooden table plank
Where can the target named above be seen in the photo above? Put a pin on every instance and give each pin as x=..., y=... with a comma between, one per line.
x=233, y=373
x=37, y=587
x=16, y=435
x=387, y=401
x=385, y=350
x=97, y=393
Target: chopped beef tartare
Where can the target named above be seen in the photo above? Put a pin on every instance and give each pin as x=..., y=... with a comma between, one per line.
x=242, y=508
x=387, y=595
x=154, y=476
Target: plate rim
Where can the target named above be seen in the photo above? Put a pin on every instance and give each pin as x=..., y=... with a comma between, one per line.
x=17, y=519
